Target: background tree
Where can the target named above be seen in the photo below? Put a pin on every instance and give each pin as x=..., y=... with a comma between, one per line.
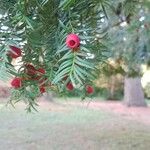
x=130, y=45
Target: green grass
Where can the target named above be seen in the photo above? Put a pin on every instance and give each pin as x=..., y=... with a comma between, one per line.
x=70, y=128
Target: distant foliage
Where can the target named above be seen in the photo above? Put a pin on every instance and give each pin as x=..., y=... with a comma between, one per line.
x=147, y=90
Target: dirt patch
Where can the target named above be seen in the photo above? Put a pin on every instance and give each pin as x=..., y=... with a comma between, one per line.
x=53, y=106
x=140, y=114
x=90, y=128
x=4, y=90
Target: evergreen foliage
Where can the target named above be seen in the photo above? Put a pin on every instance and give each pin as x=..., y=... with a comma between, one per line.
x=40, y=29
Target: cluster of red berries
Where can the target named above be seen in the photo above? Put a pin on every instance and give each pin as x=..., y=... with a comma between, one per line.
x=15, y=52
x=34, y=74
x=37, y=75
x=72, y=41
x=89, y=89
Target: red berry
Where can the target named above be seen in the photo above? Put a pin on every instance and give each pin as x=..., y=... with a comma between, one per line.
x=42, y=89
x=69, y=86
x=16, y=83
x=89, y=89
x=41, y=71
x=73, y=41
x=30, y=70
x=14, y=52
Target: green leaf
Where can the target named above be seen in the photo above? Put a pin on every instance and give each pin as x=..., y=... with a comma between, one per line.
x=68, y=55
x=72, y=79
x=65, y=3
x=84, y=63
x=64, y=65
x=84, y=72
x=80, y=74
x=29, y=22
x=60, y=76
x=77, y=77
x=62, y=49
x=85, y=49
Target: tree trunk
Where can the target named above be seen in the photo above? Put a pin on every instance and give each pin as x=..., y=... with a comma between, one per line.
x=133, y=92
x=112, y=88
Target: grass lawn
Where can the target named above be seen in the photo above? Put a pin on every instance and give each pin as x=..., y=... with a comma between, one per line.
x=64, y=127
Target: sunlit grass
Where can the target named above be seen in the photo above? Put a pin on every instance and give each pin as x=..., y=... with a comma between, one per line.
x=66, y=127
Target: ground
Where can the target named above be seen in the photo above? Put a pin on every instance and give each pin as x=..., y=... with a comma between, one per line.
x=74, y=125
